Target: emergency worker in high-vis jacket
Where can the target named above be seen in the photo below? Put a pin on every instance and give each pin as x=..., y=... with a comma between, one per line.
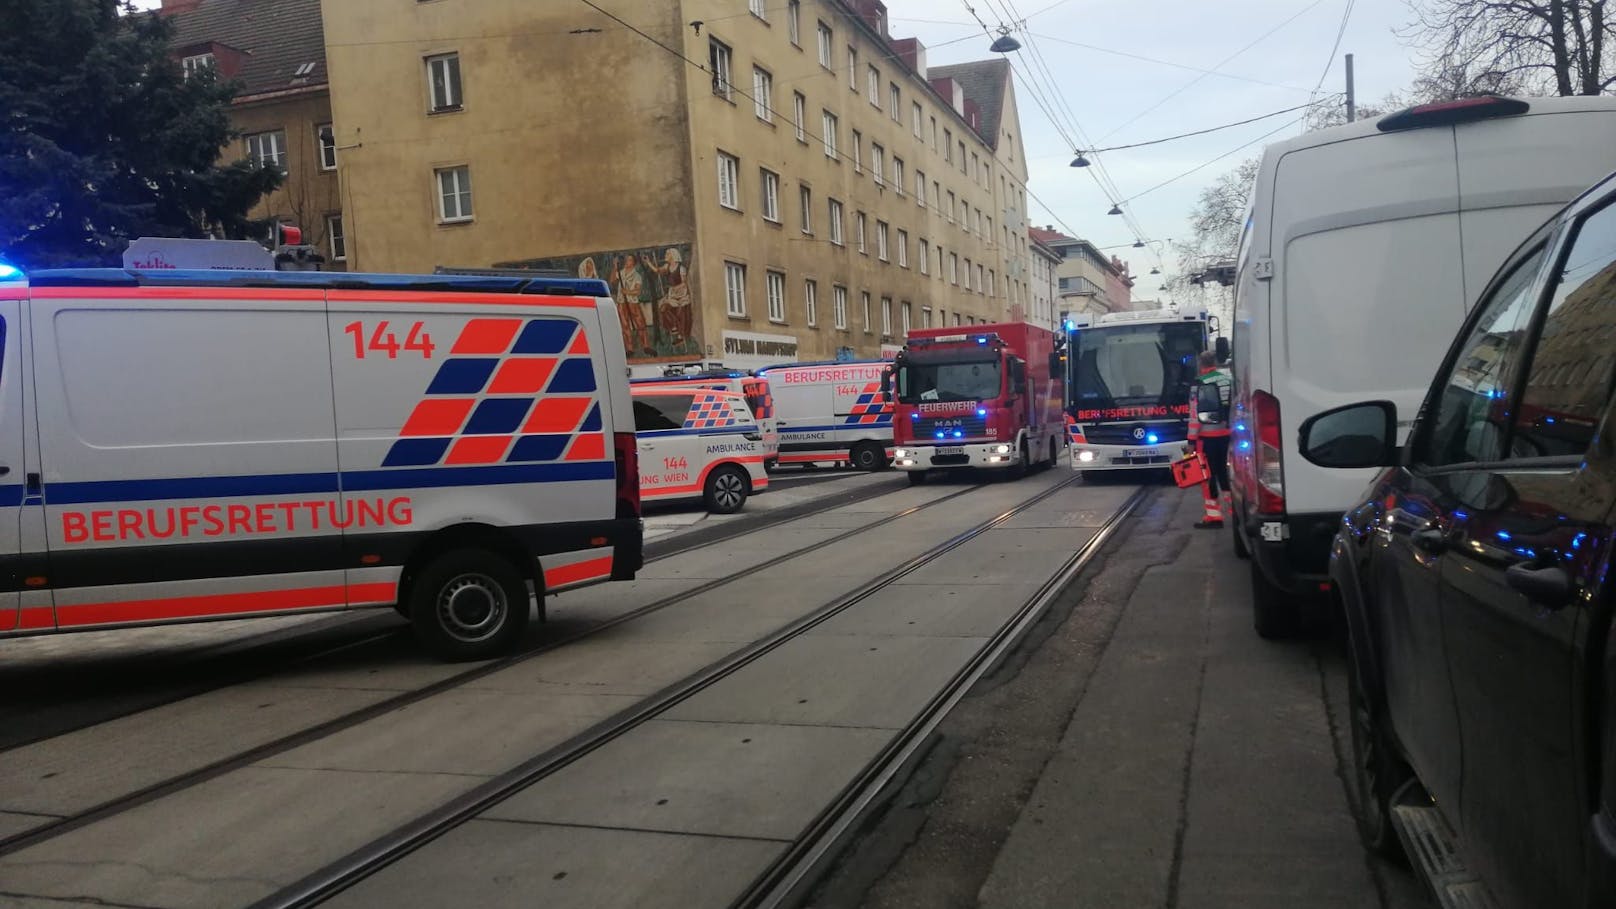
x=1209, y=433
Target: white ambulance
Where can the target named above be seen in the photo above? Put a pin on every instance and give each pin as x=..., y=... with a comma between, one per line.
x=832, y=412
x=698, y=443
x=188, y=445
x=752, y=389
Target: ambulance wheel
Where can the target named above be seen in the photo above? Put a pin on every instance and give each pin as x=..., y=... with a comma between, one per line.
x=917, y=478
x=727, y=487
x=469, y=604
x=868, y=456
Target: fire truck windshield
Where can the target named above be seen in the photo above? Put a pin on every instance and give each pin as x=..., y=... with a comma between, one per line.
x=948, y=381
x=1125, y=367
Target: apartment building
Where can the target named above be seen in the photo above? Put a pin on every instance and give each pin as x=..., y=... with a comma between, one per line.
x=1086, y=279
x=1042, y=288
x=757, y=180
x=275, y=49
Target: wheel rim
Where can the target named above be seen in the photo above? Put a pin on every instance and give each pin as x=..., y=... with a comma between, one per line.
x=728, y=490
x=472, y=608
x=1363, y=744
x=865, y=458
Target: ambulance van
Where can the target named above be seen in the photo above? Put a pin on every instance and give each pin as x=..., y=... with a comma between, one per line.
x=832, y=412
x=750, y=387
x=695, y=443
x=183, y=446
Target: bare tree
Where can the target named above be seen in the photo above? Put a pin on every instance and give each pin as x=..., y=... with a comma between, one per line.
x=1548, y=46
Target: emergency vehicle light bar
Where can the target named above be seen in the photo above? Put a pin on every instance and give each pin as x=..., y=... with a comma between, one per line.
x=989, y=338
x=318, y=280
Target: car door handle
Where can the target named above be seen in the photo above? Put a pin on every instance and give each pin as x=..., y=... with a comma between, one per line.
x=1549, y=587
x=1431, y=541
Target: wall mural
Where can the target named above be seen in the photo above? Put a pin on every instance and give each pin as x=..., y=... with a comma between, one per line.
x=652, y=289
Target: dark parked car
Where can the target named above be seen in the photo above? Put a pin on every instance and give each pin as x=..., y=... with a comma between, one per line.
x=1475, y=579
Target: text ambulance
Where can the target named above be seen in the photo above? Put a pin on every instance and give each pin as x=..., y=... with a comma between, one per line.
x=754, y=390
x=832, y=412
x=698, y=443
x=188, y=445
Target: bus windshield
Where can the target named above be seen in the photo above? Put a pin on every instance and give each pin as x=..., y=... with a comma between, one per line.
x=1128, y=371
x=950, y=381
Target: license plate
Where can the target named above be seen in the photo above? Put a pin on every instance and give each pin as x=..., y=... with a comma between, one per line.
x=950, y=449
x=1139, y=453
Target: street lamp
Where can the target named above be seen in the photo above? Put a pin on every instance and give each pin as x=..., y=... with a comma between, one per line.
x=1004, y=44
x=1115, y=210
x=1080, y=161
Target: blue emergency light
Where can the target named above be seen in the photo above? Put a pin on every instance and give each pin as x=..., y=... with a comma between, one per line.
x=1152, y=438
x=981, y=411
x=959, y=433
x=939, y=433
x=9, y=272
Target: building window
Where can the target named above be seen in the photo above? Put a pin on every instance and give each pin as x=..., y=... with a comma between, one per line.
x=774, y=284
x=953, y=268
x=950, y=205
x=839, y=306
x=906, y=321
x=964, y=221
x=992, y=286
x=903, y=248
x=735, y=289
x=925, y=317
x=810, y=301
x=933, y=133
x=454, y=193
x=894, y=102
x=718, y=64
x=858, y=152
x=979, y=283
x=956, y=320
x=794, y=21
x=836, y=222
x=858, y=231
x=771, y=196
x=925, y=256
x=805, y=197
x=852, y=67
x=829, y=124
x=875, y=87
x=918, y=114
x=443, y=76
x=937, y=195
x=326, y=138
x=886, y=317
x=920, y=188
x=948, y=146
x=825, y=40
x=989, y=235
x=878, y=164
x=967, y=273
x=729, y=175
x=268, y=149
x=196, y=64
x=897, y=174
x=864, y=301
x=759, y=9
x=939, y=263
x=976, y=168
x=763, y=94
x=979, y=222
x=799, y=114
x=881, y=240
x=337, y=238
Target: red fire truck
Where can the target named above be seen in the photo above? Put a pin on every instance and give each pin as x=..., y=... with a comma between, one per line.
x=980, y=396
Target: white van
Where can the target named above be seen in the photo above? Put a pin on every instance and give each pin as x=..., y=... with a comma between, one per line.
x=183, y=446
x=832, y=413
x=1364, y=248
x=697, y=443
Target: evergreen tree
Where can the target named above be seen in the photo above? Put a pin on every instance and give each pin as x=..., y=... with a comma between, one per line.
x=103, y=138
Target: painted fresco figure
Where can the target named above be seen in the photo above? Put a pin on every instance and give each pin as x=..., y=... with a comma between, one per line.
x=627, y=284
x=677, y=319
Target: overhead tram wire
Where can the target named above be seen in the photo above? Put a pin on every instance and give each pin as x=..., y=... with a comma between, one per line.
x=1213, y=129
x=1184, y=66
x=1212, y=161
x=1329, y=62
x=1222, y=63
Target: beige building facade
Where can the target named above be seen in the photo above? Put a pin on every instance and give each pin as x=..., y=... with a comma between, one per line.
x=782, y=181
x=1086, y=279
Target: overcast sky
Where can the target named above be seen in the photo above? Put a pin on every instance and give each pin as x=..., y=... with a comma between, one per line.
x=1092, y=50
x=1114, y=97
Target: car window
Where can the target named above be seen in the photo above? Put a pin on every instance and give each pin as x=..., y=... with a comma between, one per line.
x=653, y=412
x=1467, y=422
x=1569, y=381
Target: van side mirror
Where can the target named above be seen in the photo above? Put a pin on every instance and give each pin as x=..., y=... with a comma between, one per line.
x=1220, y=348
x=1357, y=435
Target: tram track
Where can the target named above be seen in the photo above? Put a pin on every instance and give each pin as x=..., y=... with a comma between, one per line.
x=789, y=871
x=181, y=781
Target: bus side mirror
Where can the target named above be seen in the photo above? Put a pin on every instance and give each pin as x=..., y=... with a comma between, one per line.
x=1057, y=364
x=1221, y=348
